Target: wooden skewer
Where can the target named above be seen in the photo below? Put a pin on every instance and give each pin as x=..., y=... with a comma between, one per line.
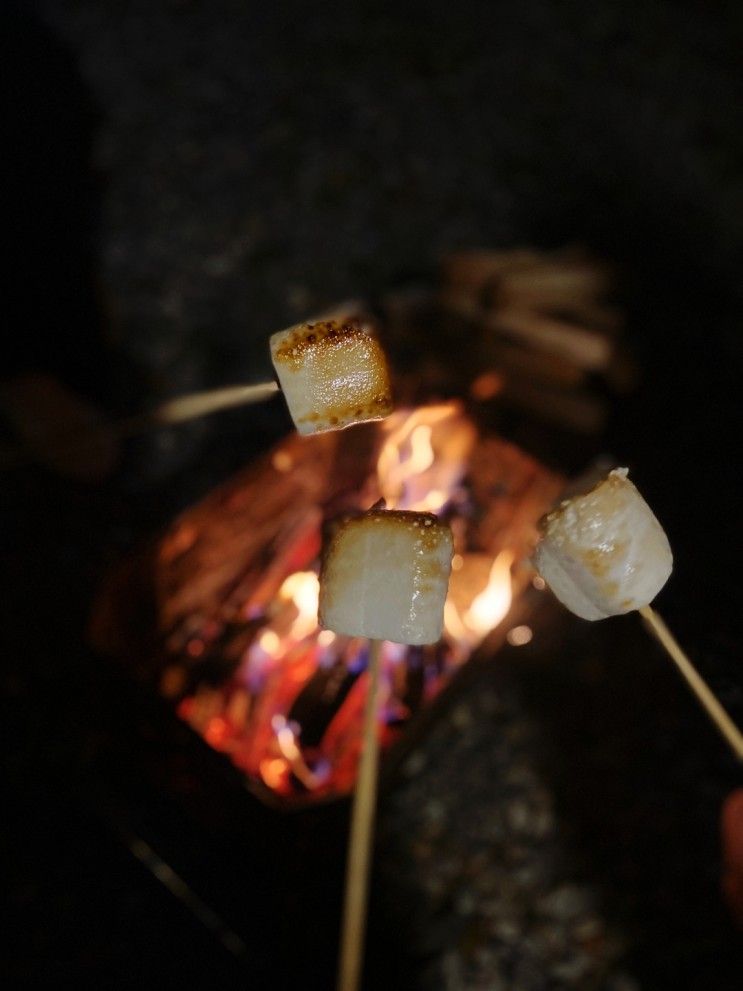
x=655, y=625
x=194, y=405
x=170, y=413
x=360, y=840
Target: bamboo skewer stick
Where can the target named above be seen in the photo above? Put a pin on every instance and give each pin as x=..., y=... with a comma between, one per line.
x=360, y=840
x=170, y=413
x=202, y=404
x=655, y=625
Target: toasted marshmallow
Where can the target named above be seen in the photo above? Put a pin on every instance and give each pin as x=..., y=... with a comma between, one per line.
x=604, y=553
x=333, y=373
x=385, y=575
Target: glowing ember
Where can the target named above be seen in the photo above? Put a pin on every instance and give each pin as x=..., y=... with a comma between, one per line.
x=519, y=636
x=286, y=738
x=282, y=461
x=275, y=773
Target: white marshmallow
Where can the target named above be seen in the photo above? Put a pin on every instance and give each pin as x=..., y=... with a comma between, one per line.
x=385, y=575
x=333, y=373
x=604, y=553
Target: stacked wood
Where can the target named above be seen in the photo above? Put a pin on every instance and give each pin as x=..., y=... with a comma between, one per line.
x=544, y=325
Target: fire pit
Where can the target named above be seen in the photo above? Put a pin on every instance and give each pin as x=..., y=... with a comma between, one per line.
x=234, y=642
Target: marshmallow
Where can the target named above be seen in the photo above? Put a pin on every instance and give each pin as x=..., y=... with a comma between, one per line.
x=604, y=553
x=385, y=575
x=333, y=373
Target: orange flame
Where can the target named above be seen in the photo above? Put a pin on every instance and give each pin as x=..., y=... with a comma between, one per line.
x=286, y=739
x=303, y=589
x=424, y=456
x=492, y=604
x=269, y=642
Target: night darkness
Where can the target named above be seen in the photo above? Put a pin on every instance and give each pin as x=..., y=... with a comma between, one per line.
x=182, y=180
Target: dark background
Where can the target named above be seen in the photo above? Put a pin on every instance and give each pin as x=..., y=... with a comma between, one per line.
x=185, y=178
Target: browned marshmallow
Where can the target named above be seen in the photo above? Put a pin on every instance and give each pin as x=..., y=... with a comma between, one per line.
x=385, y=575
x=333, y=374
x=604, y=553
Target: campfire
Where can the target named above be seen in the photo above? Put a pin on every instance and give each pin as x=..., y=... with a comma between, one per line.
x=219, y=615
x=235, y=644
x=239, y=651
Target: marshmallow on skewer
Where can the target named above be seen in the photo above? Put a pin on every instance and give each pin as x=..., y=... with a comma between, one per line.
x=604, y=553
x=333, y=373
x=385, y=576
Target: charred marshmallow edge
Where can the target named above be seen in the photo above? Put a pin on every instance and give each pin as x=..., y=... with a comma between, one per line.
x=385, y=576
x=333, y=374
x=604, y=553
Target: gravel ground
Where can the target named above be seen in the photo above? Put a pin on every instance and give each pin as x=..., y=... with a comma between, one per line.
x=497, y=899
